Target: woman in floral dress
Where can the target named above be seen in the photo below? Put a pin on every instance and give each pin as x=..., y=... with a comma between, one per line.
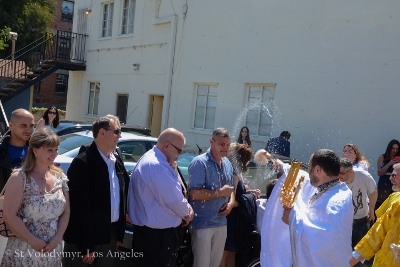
x=39, y=222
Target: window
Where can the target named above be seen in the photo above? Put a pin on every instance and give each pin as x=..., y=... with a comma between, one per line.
x=128, y=16
x=260, y=105
x=106, y=28
x=67, y=10
x=61, y=83
x=93, y=105
x=206, y=104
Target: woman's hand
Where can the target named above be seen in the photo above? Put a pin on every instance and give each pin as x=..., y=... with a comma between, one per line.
x=51, y=245
x=38, y=244
x=256, y=192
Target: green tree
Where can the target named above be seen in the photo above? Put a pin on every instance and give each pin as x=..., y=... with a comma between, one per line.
x=4, y=37
x=29, y=18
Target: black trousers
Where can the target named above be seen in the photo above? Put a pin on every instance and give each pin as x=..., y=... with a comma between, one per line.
x=360, y=228
x=105, y=253
x=157, y=246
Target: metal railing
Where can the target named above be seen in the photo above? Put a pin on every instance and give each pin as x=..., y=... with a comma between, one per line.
x=62, y=46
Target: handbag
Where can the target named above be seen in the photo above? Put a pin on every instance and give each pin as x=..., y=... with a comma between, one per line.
x=3, y=228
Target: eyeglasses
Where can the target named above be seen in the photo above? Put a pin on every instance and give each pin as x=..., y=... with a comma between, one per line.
x=52, y=112
x=116, y=131
x=393, y=175
x=344, y=173
x=178, y=149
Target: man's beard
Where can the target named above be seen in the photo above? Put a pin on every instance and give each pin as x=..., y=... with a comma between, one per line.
x=395, y=188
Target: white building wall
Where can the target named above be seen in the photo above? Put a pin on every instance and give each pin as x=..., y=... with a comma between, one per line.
x=335, y=65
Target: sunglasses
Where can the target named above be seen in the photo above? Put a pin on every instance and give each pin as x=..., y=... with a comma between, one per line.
x=52, y=112
x=344, y=173
x=116, y=131
x=178, y=149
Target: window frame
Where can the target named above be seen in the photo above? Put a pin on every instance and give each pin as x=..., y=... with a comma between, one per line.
x=93, y=106
x=64, y=83
x=206, y=106
x=62, y=14
x=255, y=127
x=128, y=27
x=107, y=23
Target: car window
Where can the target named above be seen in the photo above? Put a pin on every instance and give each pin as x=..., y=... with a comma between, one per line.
x=183, y=162
x=69, y=142
x=132, y=151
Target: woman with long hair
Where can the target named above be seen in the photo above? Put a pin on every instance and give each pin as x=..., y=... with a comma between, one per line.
x=385, y=167
x=40, y=219
x=50, y=119
x=353, y=153
x=244, y=136
x=239, y=155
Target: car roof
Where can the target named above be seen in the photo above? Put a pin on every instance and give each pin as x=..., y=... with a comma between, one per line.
x=124, y=136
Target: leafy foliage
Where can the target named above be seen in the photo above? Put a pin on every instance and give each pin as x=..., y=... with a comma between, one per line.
x=4, y=37
x=29, y=18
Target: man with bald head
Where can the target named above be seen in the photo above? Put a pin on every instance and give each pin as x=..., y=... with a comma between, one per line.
x=156, y=205
x=14, y=144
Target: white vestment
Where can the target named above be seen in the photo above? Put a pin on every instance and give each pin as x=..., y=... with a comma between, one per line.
x=321, y=231
x=275, y=238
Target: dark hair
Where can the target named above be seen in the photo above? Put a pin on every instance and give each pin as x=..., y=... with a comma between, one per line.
x=56, y=120
x=386, y=156
x=239, y=155
x=327, y=160
x=102, y=123
x=268, y=189
x=346, y=163
x=286, y=134
x=239, y=140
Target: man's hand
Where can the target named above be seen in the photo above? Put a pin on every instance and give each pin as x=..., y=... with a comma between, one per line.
x=187, y=219
x=371, y=215
x=88, y=258
x=285, y=216
x=226, y=209
x=225, y=191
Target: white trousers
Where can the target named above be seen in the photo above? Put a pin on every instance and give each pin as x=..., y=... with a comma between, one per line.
x=208, y=246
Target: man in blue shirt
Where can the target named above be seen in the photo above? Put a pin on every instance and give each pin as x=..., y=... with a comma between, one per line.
x=279, y=145
x=14, y=143
x=212, y=197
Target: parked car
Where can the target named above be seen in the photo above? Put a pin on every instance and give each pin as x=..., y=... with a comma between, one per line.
x=72, y=127
x=132, y=147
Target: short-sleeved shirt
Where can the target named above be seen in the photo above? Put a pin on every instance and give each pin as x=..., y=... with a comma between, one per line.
x=17, y=154
x=362, y=186
x=205, y=173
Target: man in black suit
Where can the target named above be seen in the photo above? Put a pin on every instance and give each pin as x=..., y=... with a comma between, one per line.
x=97, y=184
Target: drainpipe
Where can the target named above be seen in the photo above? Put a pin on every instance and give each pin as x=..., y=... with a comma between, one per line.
x=170, y=67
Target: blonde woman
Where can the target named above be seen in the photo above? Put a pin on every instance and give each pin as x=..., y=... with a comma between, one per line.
x=39, y=222
x=353, y=153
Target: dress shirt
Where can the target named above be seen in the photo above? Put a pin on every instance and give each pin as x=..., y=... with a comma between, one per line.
x=155, y=196
x=114, y=185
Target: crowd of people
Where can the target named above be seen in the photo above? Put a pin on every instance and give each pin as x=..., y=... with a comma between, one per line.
x=341, y=217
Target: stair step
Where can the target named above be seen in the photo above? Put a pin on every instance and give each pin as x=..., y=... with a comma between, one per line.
x=23, y=80
x=38, y=70
x=32, y=75
x=7, y=89
x=3, y=94
x=45, y=65
x=15, y=85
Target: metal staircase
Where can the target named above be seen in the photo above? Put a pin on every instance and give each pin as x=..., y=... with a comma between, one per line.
x=36, y=61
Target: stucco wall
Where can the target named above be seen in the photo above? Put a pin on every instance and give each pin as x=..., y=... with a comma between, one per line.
x=335, y=65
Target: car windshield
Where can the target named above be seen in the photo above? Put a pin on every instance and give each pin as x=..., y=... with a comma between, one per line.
x=71, y=141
